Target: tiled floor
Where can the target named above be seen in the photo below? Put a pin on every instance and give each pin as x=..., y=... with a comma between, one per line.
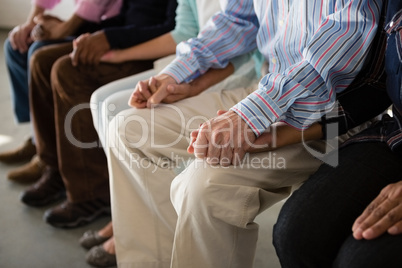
x=27, y=242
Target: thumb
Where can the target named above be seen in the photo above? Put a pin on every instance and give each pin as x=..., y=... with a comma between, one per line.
x=157, y=97
x=177, y=89
x=107, y=57
x=38, y=19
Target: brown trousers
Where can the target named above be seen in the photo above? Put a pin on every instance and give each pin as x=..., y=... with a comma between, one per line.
x=65, y=136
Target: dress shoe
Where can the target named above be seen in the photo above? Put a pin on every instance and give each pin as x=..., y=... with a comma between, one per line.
x=50, y=188
x=28, y=173
x=98, y=257
x=91, y=238
x=23, y=153
x=71, y=215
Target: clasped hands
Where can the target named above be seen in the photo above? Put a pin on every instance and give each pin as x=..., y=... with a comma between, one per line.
x=88, y=49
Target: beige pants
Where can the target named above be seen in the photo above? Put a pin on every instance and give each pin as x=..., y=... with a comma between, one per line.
x=211, y=222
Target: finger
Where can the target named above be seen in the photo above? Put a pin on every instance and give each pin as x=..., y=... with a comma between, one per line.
x=226, y=156
x=152, y=84
x=38, y=19
x=18, y=41
x=396, y=229
x=201, y=143
x=107, y=57
x=93, y=58
x=193, y=138
x=381, y=226
x=376, y=215
x=157, y=97
x=137, y=100
x=22, y=46
x=143, y=89
x=75, y=54
x=221, y=112
x=83, y=55
x=11, y=36
x=369, y=210
x=238, y=155
x=175, y=93
x=181, y=89
x=214, y=149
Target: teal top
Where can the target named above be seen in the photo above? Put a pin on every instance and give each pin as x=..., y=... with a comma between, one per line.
x=186, y=21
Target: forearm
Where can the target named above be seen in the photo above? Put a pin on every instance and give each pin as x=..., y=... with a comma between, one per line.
x=210, y=78
x=280, y=135
x=158, y=47
x=35, y=11
x=72, y=25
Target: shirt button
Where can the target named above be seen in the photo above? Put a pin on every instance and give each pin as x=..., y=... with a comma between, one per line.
x=280, y=22
x=273, y=60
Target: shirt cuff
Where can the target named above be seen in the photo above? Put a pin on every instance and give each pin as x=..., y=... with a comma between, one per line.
x=257, y=112
x=180, y=71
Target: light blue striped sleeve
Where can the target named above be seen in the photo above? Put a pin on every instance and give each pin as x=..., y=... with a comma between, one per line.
x=231, y=33
x=331, y=60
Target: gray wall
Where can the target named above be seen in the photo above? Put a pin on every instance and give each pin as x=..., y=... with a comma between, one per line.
x=14, y=12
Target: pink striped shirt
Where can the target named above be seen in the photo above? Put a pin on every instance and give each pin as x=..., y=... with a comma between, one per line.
x=90, y=10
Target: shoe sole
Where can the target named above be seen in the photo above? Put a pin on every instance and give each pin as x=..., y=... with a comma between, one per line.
x=44, y=202
x=80, y=221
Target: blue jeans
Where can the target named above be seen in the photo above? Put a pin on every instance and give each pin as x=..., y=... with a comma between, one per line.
x=17, y=65
x=314, y=228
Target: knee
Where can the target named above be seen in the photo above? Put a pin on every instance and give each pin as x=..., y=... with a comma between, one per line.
x=381, y=252
x=286, y=235
x=38, y=61
x=293, y=235
x=197, y=191
x=11, y=55
x=61, y=74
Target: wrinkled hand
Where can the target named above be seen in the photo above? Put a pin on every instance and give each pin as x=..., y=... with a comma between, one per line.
x=89, y=48
x=48, y=28
x=384, y=214
x=20, y=37
x=148, y=93
x=223, y=140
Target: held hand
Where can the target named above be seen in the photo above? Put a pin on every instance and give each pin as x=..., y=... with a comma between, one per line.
x=113, y=56
x=277, y=136
x=148, y=93
x=89, y=48
x=20, y=38
x=48, y=28
x=384, y=214
x=172, y=93
x=223, y=140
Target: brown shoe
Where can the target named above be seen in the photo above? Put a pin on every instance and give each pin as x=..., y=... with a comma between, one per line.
x=23, y=153
x=28, y=173
x=49, y=189
x=71, y=215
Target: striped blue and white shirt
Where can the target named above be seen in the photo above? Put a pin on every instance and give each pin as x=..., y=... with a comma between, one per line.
x=314, y=50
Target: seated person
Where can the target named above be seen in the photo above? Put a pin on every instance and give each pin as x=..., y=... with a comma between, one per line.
x=88, y=16
x=61, y=83
x=204, y=217
x=189, y=15
x=350, y=215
